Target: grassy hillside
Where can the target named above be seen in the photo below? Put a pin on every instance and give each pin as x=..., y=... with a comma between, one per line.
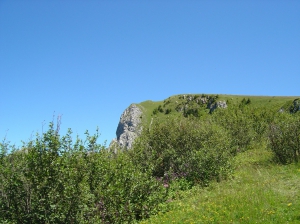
x=203, y=159
x=174, y=102
x=259, y=191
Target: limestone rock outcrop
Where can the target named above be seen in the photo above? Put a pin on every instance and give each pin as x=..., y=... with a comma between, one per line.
x=219, y=104
x=129, y=127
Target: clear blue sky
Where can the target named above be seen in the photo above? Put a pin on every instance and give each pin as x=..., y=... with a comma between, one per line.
x=89, y=60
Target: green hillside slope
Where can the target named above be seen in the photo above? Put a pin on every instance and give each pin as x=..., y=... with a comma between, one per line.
x=260, y=190
x=185, y=104
x=198, y=159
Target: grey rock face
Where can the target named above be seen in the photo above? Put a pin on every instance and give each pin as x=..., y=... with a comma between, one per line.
x=219, y=104
x=129, y=127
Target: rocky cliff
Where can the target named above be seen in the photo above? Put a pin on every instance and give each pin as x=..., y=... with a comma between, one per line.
x=129, y=127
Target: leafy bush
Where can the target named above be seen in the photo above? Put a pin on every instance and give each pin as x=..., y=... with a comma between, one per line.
x=53, y=180
x=168, y=111
x=45, y=181
x=239, y=124
x=245, y=102
x=125, y=193
x=160, y=109
x=284, y=138
x=184, y=148
x=261, y=118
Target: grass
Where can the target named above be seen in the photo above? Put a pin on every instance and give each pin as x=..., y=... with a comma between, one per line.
x=276, y=102
x=259, y=191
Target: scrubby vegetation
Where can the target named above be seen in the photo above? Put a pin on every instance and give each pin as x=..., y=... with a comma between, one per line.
x=259, y=191
x=195, y=150
x=53, y=180
x=238, y=164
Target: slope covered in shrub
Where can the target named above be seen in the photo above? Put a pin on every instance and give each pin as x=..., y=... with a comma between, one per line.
x=183, y=146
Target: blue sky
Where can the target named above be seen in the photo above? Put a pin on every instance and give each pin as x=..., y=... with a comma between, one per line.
x=89, y=60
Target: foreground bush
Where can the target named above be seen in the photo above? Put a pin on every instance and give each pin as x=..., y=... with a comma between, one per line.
x=125, y=193
x=53, y=180
x=184, y=148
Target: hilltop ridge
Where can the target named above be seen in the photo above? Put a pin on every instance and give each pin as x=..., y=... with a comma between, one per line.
x=142, y=114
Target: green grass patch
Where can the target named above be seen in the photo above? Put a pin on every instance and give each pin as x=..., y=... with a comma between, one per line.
x=260, y=191
x=171, y=104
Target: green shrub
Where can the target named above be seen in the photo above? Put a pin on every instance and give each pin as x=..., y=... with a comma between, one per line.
x=284, y=138
x=168, y=111
x=160, y=109
x=184, y=148
x=239, y=124
x=53, y=180
x=246, y=125
x=45, y=181
x=125, y=193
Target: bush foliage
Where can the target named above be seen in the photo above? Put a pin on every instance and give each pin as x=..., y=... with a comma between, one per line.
x=284, y=136
x=196, y=150
x=54, y=179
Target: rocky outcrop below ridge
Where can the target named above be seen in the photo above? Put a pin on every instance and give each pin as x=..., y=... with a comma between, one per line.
x=291, y=107
x=215, y=105
x=296, y=106
x=192, y=104
x=129, y=127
